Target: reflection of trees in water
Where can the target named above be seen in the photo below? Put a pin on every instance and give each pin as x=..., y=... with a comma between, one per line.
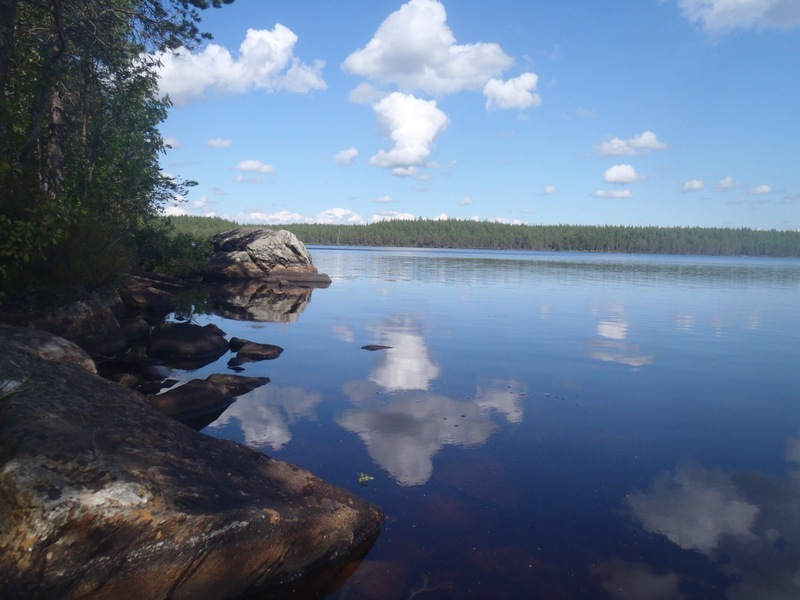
x=748, y=524
x=517, y=268
x=254, y=301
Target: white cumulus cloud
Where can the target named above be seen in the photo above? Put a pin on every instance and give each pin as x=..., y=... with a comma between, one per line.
x=550, y=189
x=390, y=215
x=693, y=185
x=728, y=183
x=365, y=93
x=266, y=61
x=724, y=15
x=638, y=145
x=621, y=174
x=175, y=211
x=415, y=49
x=339, y=216
x=219, y=143
x=255, y=166
x=346, y=157
x=613, y=194
x=518, y=92
x=279, y=218
x=412, y=125
x=761, y=189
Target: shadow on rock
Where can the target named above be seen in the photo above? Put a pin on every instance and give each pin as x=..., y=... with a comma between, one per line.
x=200, y=402
x=105, y=497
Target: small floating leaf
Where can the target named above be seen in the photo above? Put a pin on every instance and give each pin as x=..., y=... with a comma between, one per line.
x=363, y=478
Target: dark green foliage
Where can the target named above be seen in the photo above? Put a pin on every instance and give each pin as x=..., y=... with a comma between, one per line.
x=161, y=249
x=486, y=235
x=569, y=238
x=201, y=227
x=79, y=139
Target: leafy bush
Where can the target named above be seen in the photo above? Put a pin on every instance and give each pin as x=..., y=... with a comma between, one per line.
x=162, y=250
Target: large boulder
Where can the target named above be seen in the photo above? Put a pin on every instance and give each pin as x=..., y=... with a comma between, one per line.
x=91, y=324
x=256, y=253
x=45, y=346
x=156, y=294
x=105, y=497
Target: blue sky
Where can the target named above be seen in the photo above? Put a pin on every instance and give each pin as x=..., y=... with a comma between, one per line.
x=618, y=112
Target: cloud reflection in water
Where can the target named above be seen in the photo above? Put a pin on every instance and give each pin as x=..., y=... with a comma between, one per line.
x=264, y=415
x=403, y=433
x=406, y=365
x=747, y=523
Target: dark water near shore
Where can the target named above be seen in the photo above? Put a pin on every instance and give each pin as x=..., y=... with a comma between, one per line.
x=545, y=425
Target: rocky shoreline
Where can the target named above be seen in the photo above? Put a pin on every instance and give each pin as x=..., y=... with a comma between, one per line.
x=107, y=493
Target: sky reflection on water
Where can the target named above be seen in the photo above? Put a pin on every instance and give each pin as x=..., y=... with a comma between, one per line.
x=546, y=425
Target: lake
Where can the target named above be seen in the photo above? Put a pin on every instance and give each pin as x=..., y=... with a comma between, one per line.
x=544, y=425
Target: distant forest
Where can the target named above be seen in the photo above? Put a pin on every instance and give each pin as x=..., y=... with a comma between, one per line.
x=453, y=233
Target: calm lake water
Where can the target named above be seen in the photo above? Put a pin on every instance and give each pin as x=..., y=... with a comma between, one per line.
x=544, y=425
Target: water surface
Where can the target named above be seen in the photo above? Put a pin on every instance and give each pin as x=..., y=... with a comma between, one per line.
x=545, y=425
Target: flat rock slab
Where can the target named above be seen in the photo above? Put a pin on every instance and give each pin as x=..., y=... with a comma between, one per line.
x=199, y=402
x=236, y=385
x=247, y=351
x=196, y=401
x=105, y=497
x=187, y=343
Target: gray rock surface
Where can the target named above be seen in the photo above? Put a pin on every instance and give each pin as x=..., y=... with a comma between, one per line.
x=105, y=497
x=255, y=253
x=254, y=351
x=45, y=346
x=91, y=324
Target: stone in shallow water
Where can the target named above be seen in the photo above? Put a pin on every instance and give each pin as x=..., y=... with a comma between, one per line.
x=187, y=344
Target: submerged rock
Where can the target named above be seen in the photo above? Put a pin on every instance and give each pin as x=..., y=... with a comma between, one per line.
x=247, y=351
x=105, y=497
x=199, y=402
x=195, y=403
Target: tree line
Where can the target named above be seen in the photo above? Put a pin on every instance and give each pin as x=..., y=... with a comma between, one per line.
x=454, y=233
x=80, y=181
